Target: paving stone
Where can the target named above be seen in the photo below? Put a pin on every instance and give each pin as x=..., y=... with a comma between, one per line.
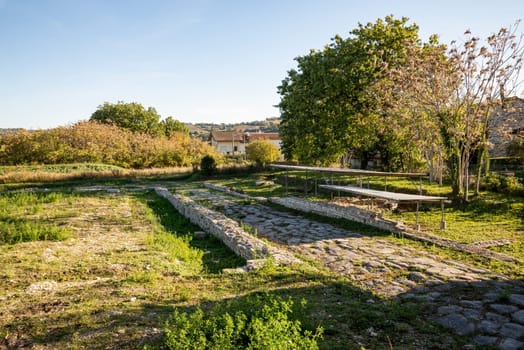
x=510, y=344
x=472, y=314
x=489, y=327
x=518, y=316
x=504, y=309
x=496, y=318
x=512, y=330
x=491, y=297
x=457, y=323
x=517, y=299
x=449, y=309
x=417, y=277
x=472, y=304
x=485, y=340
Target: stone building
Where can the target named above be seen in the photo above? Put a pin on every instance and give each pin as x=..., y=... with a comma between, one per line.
x=506, y=124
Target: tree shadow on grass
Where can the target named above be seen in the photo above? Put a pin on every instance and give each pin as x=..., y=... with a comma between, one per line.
x=350, y=317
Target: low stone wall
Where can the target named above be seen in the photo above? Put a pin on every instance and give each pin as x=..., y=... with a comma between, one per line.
x=376, y=220
x=217, y=224
x=336, y=211
x=243, y=244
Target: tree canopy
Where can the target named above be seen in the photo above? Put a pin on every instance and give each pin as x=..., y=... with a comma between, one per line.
x=132, y=116
x=382, y=91
x=328, y=105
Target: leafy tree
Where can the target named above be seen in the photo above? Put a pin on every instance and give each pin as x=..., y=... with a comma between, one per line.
x=170, y=125
x=262, y=152
x=456, y=95
x=328, y=105
x=132, y=116
x=487, y=72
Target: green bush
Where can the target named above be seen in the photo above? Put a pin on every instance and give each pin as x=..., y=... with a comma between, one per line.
x=208, y=165
x=507, y=184
x=255, y=324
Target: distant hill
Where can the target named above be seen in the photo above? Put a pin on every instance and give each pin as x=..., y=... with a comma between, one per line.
x=202, y=130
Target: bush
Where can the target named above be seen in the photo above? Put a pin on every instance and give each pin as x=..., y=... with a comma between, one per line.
x=507, y=184
x=262, y=152
x=100, y=143
x=208, y=165
x=257, y=324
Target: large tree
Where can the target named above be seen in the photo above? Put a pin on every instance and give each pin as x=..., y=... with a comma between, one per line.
x=456, y=94
x=328, y=105
x=132, y=116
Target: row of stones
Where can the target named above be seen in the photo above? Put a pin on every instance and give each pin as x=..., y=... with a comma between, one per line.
x=376, y=220
x=227, y=230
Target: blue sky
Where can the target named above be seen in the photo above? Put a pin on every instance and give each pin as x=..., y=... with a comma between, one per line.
x=196, y=60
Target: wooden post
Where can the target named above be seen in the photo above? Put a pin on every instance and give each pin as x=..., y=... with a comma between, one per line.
x=442, y=221
x=305, y=185
x=285, y=180
x=417, y=225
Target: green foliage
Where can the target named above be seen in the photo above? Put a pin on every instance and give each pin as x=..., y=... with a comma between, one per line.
x=258, y=323
x=516, y=148
x=169, y=126
x=262, y=152
x=132, y=116
x=507, y=184
x=328, y=106
x=208, y=165
x=17, y=227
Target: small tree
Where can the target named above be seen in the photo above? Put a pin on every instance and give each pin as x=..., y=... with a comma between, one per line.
x=262, y=152
x=208, y=165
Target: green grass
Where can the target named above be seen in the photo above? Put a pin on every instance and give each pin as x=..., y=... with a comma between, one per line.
x=130, y=260
x=21, y=217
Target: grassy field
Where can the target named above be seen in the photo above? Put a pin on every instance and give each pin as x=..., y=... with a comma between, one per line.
x=122, y=263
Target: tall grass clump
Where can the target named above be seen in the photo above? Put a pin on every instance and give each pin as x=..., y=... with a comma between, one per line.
x=17, y=224
x=253, y=323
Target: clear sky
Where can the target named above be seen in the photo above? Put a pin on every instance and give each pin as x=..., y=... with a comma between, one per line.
x=196, y=60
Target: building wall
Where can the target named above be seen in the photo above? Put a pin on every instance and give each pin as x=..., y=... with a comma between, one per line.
x=501, y=127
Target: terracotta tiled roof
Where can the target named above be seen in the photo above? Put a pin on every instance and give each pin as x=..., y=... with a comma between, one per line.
x=227, y=136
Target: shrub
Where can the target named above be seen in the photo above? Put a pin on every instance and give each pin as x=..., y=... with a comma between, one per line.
x=256, y=324
x=208, y=165
x=262, y=152
x=507, y=184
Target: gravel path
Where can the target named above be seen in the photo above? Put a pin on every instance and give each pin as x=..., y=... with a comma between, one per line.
x=468, y=300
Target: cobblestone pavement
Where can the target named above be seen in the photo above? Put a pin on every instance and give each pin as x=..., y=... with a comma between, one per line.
x=467, y=300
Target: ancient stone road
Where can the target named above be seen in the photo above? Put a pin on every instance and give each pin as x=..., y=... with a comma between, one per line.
x=494, y=316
